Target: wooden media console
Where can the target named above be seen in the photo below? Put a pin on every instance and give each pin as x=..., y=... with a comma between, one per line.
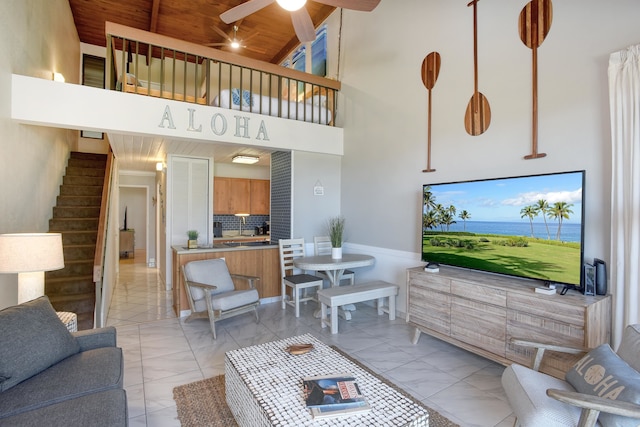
x=482, y=312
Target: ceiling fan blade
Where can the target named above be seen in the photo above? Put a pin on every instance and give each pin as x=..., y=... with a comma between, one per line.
x=222, y=33
x=361, y=5
x=255, y=49
x=249, y=37
x=245, y=9
x=303, y=25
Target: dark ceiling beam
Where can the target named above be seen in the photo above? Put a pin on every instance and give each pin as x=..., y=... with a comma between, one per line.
x=154, y=16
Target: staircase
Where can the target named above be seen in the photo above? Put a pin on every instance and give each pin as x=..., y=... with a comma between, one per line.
x=76, y=216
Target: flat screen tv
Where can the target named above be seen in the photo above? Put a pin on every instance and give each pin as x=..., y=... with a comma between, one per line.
x=526, y=226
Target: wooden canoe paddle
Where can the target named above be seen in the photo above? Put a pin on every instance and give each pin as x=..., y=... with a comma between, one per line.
x=478, y=115
x=429, y=72
x=534, y=24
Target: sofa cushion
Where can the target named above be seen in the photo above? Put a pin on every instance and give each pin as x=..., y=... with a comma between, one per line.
x=107, y=408
x=602, y=373
x=629, y=349
x=32, y=339
x=526, y=391
x=78, y=375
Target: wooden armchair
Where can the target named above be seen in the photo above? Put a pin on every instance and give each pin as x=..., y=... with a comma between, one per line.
x=212, y=293
x=538, y=399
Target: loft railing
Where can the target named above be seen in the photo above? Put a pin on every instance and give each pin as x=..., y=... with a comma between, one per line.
x=154, y=65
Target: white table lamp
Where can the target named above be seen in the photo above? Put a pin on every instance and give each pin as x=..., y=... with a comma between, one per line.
x=30, y=255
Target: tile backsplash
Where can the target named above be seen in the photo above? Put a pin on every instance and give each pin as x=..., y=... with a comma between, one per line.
x=232, y=222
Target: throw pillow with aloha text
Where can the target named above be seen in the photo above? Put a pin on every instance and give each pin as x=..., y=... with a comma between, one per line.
x=602, y=373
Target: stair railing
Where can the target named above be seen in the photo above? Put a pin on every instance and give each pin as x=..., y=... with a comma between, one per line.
x=104, y=289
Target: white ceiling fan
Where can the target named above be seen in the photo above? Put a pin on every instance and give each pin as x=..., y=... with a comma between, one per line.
x=232, y=40
x=302, y=23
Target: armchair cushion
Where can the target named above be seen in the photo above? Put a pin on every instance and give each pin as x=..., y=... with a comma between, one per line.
x=210, y=272
x=629, y=349
x=602, y=373
x=32, y=340
x=231, y=300
x=526, y=391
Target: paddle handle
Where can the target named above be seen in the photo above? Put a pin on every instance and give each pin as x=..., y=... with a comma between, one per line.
x=535, y=42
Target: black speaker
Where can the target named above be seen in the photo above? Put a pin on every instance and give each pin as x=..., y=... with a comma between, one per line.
x=601, y=276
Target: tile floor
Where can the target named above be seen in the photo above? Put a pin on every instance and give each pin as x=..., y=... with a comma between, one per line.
x=162, y=351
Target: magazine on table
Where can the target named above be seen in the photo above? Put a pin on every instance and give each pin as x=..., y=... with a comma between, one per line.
x=333, y=395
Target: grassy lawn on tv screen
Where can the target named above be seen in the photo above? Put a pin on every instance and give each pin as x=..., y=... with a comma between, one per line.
x=520, y=256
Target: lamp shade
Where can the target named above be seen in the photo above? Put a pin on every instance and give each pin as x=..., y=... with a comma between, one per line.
x=30, y=252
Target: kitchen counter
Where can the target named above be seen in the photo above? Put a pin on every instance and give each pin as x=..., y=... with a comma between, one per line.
x=259, y=259
x=225, y=245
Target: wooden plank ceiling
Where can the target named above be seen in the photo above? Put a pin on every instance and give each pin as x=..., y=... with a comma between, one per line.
x=270, y=29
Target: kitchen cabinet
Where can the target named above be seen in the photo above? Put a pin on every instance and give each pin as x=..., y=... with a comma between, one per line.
x=260, y=196
x=241, y=195
x=481, y=312
x=231, y=195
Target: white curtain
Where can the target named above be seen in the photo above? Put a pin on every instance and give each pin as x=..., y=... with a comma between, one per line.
x=624, y=98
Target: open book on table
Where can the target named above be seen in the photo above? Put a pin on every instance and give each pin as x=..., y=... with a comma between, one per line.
x=333, y=395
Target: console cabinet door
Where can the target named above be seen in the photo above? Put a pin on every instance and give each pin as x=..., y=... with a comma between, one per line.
x=429, y=302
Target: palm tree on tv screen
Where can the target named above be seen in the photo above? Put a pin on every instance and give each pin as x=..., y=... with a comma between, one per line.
x=542, y=207
x=464, y=216
x=529, y=212
x=560, y=211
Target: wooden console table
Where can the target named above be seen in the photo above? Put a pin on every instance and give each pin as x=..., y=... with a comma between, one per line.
x=481, y=312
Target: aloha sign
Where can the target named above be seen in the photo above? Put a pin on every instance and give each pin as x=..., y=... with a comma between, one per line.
x=218, y=124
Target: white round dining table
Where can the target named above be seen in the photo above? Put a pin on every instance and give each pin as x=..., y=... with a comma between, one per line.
x=334, y=268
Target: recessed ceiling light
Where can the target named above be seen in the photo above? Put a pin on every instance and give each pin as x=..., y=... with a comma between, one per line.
x=247, y=160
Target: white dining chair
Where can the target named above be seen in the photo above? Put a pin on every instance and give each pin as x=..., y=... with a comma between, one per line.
x=293, y=277
x=322, y=246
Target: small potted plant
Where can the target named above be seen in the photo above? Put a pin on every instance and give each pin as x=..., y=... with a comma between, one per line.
x=192, y=243
x=336, y=235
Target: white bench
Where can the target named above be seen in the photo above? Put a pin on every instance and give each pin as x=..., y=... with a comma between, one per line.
x=341, y=295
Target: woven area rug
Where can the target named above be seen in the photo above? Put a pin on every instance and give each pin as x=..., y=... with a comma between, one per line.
x=203, y=403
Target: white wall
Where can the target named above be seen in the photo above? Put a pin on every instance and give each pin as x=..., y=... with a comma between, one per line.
x=384, y=108
x=311, y=212
x=36, y=38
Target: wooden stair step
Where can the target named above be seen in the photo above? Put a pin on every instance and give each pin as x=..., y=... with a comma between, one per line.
x=79, y=237
x=86, y=163
x=69, y=285
x=72, y=268
x=79, y=252
x=88, y=156
x=64, y=224
x=83, y=180
x=80, y=171
x=81, y=190
x=76, y=211
x=78, y=200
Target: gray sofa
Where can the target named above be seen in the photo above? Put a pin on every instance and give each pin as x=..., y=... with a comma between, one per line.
x=49, y=376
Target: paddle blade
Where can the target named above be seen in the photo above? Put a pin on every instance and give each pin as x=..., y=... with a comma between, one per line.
x=430, y=70
x=243, y=10
x=477, y=118
x=361, y=5
x=534, y=22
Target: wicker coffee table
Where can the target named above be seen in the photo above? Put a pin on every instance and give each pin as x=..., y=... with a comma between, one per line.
x=264, y=388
